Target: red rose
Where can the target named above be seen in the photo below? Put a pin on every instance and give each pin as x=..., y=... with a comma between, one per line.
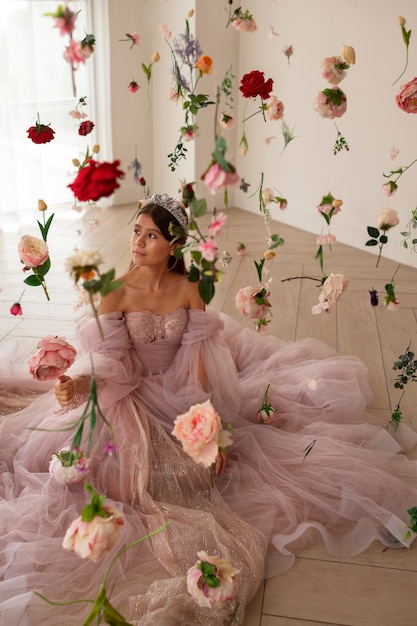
x=254, y=84
x=85, y=128
x=96, y=180
x=16, y=309
x=40, y=133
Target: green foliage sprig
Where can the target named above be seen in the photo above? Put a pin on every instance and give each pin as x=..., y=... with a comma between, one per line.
x=407, y=368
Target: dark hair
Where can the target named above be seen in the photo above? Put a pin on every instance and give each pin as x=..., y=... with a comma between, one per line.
x=163, y=219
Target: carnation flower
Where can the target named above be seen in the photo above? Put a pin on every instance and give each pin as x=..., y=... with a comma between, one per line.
x=212, y=581
x=327, y=239
x=333, y=69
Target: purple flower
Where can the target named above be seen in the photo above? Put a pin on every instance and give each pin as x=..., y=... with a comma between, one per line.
x=109, y=448
x=374, y=297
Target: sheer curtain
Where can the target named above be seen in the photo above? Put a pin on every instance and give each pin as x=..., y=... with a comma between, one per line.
x=35, y=79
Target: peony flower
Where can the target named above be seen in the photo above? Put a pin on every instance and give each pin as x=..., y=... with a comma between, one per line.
x=247, y=25
x=254, y=84
x=52, y=358
x=389, y=188
x=253, y=302
x=330, y=103
x=387, y=218
x=217, y=223
x=96, y=180
x=217, y=178
x=40, y=133
x=33, y=252
x=204, y=64
x=16, y=309
x=331, y=290
x=85, y=128
x=208, y=249
x=133, y=86
x=91, y=539
x=198, y=431
x=212, y=581
x=407, y=97
x=227, y=121
x=69, y=467
x=327, y=239
x=333, y=69
x=275, y=109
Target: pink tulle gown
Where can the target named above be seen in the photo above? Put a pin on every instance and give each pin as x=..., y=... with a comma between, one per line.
x=352, y=487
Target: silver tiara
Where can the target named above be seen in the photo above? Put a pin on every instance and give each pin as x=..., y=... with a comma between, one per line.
x=171, y=205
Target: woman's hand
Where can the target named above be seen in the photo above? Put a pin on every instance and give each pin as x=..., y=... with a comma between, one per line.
x=221, y=462
x=65, y=390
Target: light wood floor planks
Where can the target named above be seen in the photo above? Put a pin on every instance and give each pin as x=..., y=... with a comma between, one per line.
x=378, y=587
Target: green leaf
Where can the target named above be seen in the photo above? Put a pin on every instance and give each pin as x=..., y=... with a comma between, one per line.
x=194, y=274
x=206, y=290
x=373, y=232
x=33, y=281
x=198, y=208
x=371, y=242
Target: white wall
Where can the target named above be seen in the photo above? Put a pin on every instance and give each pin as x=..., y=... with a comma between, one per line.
x=307, y=169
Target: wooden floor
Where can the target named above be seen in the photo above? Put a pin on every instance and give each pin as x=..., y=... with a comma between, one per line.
x=377, y=588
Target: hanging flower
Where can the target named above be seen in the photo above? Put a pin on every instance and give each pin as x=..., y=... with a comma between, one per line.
x=64, y=19
x=52, y=358
x=218, y=178
x=373, y=294
x=266, y=414
x=275, y=109
x=204, y=64
x=133, y=86
x=188, y=133
x=387, y=218
x=227, y=120
x=212, y=581
x=217, y=224
x=96, y=531
x=389, y=188
x=348, y=54
x=69, y=467
x=406, y=34
x=288, y=51
x=254, y=84
x=85, y=128
x=96, y=180
x=16, y=309
x=78, y=52
x=407, y=97
x=333, y=69
x=33, y=252
x=253, y=302
x=208, y=249
x=133, y=39
x=245, y=25
x=331, y=290
x=330, y=103
x=165, y=32
x=41, y=133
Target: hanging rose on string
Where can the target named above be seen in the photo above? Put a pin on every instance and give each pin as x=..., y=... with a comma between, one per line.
x=332, y=288
x=96, y=180
x=40, y=133
x=330, y=102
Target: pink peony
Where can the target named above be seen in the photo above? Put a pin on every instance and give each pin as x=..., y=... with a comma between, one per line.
x=252, y=302
x=406, y=98
x=54, y=355
x=275, y=109
x=33, y=252
x=245, y=25
x=89, y=540
x=333, y=287
x=217, y=178
x=386, y=219
x=201, y=574
x=198, y=431
x=69, y=468
x=333, y=69
x=330, y=103
x=326, y=239
x=208, y=249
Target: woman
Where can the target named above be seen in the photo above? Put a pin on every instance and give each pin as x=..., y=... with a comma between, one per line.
x=322, y=469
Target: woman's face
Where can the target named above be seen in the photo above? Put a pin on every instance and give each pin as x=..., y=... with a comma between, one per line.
x=148, y=245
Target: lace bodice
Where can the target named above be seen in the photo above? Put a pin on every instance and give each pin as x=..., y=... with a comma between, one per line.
x=145, y=326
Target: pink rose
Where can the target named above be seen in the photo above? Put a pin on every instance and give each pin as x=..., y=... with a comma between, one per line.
x=266, y=416
x=268, y=195
x=333, y=69
x=252, y=302
x=198, y=431
x=386, y=219
x=330, y=103
x=389, y=188
x=393, y=305
x=245, y=25
x=217, y=178
x=406, y=98
x=69, y=467
x=54, y=355
x=33, y=252
x=75, y=53
x=275, y=109
x=326, y=239
x=201, y=574
x=89, y=540
x=332, y=289
x=217, y=224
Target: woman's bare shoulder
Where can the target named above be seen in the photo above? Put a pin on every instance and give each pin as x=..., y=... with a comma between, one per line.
x=192, y=294
x=113, y=301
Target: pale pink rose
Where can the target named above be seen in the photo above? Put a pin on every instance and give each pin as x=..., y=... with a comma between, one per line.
x=245, y=302
x=268, y=195
x=266, y=417
x=69, y=474
x=165, y=32
x=245, y=25
x=198, y=431
x=407, y=97
x=275, y=109
x=89, y=540
x=332, y=289
x=217, y=178
x=327, y=239
x=75, y=54
x=393, y=306
x=54, y=355
x=208, y=249
x=386, y=219
x=332, y=70
x=218, y=222
x=389, y=188
x=33, y=252
x=227, y=120
x=331, y=104
x=212, y=597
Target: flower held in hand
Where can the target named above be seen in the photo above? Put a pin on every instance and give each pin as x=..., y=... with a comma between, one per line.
x=54, y=355
x=212, y=581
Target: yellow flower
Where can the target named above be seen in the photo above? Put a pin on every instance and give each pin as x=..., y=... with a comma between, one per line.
x=348, y=54
x=42, y=206
x=156, y=57
x=337, y=203
x=205, y=64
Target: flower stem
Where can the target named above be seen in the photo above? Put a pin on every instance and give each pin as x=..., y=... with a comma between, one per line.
x=406, y=65
x=283, y=280
x=96, y=315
